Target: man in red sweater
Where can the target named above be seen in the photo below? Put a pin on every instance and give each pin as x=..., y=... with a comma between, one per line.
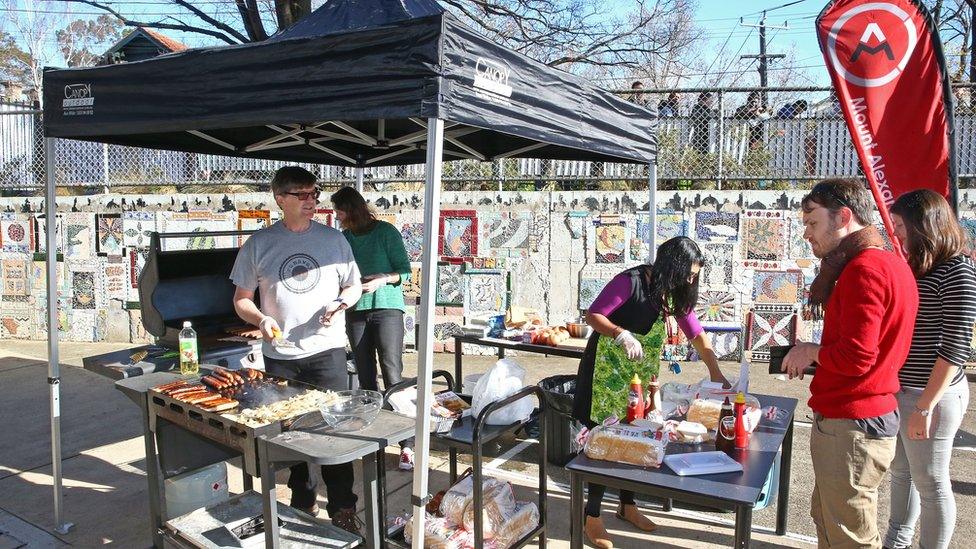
x=869, y=300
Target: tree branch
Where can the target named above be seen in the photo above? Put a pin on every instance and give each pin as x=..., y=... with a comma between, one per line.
x=217, y=24
x=157, y=25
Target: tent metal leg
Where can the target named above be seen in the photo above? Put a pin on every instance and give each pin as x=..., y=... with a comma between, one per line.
x=359, y=179
x=652, y=210
x=53, y=368
x=425, y=320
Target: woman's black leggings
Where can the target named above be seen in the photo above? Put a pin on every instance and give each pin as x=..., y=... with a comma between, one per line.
x=595, y=498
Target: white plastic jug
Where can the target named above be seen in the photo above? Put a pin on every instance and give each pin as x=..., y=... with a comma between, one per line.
x=200, y=488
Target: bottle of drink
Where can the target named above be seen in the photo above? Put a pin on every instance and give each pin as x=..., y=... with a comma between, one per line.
x=725, y=437
x=635, y=400
x=741, y=433
x=189, y=358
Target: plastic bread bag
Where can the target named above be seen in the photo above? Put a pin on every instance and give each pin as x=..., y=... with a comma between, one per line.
x=502, y=380
x=498, y=507
x=523, y=521
x=437, y=533
x=625, y=444
x=457, y=498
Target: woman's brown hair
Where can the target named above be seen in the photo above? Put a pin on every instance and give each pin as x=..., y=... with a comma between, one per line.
x=933, y=233
x=359, y=218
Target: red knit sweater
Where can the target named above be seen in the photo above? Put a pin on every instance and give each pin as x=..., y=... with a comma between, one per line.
x=868, y=327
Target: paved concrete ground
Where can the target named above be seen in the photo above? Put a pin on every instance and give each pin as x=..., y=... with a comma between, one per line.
x=105, y=487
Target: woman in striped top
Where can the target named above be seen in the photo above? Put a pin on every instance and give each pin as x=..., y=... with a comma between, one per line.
x=934, y=391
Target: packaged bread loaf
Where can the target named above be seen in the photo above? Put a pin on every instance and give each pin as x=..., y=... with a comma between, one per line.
x=457, y=498
x=497, y=509
x=625, y=444
x=523, y=521
x=438, y=532
x=706, y=412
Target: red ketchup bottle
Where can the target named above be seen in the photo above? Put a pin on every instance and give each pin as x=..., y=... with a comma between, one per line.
x=741, y=433
x=635, y=400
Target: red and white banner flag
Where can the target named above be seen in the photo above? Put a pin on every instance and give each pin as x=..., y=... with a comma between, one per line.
x=886, y=64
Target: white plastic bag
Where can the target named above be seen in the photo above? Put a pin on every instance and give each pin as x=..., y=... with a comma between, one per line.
x=500, y=381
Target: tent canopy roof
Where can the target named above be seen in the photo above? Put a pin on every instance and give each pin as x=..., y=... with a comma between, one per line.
x=352, y=84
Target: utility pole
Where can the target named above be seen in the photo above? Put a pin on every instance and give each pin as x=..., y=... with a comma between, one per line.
x=763, y=56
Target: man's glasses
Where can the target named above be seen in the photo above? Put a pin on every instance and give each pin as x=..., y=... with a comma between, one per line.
x=305, y=195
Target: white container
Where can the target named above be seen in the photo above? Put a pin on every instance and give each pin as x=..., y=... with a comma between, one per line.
x=200, y=488
x=469, y=382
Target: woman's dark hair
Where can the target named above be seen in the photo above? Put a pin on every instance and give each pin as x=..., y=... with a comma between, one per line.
x=358, y=217
x=670, y=272
x=932, y=232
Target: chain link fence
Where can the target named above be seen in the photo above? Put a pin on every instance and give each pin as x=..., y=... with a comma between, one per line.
x=730, y=138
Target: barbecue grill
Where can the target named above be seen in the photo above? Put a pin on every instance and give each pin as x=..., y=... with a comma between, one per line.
x=195, y=285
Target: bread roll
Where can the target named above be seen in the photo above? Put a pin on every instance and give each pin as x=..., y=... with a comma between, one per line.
x=523, y=521
x=706, y=412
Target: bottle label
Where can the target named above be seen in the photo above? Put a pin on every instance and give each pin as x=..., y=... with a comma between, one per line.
x=726, y=428
x=188, y=351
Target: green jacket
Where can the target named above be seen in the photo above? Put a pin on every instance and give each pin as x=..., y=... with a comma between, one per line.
x=381, y=251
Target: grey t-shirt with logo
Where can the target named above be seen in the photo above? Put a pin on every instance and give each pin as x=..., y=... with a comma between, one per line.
x=297, y=275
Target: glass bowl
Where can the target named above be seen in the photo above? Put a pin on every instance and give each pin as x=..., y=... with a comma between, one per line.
x=351, y=410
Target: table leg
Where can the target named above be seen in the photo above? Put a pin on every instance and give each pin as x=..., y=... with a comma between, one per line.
x=248, y=482
x=457, y=366
x=501, y=353
x=576, y=517
x=272, y=535
x=783, y=500
x=155, y=478
x=667, y=504
x=453, y=464
x=370, y=494
x=381, y=501
x=743, y=526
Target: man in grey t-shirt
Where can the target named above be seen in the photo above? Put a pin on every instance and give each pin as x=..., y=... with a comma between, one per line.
x=307, y=277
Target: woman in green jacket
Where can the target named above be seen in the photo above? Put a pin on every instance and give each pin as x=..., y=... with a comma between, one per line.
x=375, y=324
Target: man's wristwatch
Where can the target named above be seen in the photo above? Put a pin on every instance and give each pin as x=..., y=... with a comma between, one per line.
x=921, y=412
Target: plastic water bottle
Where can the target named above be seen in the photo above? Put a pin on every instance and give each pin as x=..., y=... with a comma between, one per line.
x=189, y=358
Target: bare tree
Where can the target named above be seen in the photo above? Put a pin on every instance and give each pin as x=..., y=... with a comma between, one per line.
x=33, y=29
x=83, y=41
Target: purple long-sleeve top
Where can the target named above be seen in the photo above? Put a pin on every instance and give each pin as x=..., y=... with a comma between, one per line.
x=618, y=291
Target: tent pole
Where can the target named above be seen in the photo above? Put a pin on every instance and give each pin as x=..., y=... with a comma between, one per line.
x=53, y=368
x=425, y=319
x=359, y=179
x=652, y=210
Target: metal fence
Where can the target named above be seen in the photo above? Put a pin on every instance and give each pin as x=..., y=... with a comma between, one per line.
x=731, y=138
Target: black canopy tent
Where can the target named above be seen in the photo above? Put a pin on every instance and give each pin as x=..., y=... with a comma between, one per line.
x=357, y=83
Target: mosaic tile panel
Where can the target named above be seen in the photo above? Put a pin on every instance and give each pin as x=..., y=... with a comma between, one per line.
x=770, y=325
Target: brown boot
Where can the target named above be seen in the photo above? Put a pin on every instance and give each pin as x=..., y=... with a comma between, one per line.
x=631, y=514
x=348, y=521
x=596, y=533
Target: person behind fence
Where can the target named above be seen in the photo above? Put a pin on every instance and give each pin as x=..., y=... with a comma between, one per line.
x=934, y=392
x=751, y=115
x=637, y=95
x=632, y=304
x=869, y=300
x=700, y=119
x=669, y=107
x=375, y=324
x=792, y=110
x=306, y=275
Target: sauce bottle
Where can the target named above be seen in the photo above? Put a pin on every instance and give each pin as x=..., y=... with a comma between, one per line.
x=635, y=400
x=652, y=398
x=725, y=437
x=741, y=433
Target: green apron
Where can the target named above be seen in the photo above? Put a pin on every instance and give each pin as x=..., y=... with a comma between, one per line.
x=612, y=371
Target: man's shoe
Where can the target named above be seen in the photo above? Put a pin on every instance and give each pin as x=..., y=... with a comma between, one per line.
x=348, y=521
x=406, y=459
x=596, y=533
x=313, y=510
x=631, y=514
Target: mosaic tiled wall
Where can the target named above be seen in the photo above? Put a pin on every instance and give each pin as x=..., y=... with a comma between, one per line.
x=549, y=251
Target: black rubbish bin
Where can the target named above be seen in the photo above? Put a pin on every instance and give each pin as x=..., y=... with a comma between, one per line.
x=561, y=428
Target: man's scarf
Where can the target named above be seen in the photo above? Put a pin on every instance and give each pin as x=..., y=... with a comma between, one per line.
x=834, y=262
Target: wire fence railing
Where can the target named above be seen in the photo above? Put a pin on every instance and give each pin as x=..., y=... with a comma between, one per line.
x=707, y=138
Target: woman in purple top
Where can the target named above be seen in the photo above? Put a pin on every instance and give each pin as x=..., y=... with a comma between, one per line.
x=632, y=302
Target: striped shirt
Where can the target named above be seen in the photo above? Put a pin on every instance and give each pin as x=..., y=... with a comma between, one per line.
x=944, y=325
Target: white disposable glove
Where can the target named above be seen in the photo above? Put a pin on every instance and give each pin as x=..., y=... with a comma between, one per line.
x=269, y=328
x=630, y=344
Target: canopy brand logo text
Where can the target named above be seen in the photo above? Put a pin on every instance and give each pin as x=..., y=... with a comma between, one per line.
x=492, y=76
x=78, y=99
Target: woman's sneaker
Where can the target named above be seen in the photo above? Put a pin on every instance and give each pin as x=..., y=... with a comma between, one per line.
x=406, y=459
